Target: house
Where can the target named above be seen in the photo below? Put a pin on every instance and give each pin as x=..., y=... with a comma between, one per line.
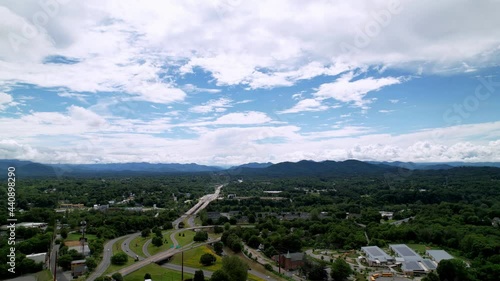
x=38, y=258
x=376, y=256
x=290, y=261
x=78, y=268
x=85, y=250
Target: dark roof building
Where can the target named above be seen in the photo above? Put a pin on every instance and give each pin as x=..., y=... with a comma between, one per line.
x=376, y=256
x=438, y=255
x=290, y=261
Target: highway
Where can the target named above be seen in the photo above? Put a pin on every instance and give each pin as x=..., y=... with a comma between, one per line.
x=106, y=259
x=202, y=203
x=162, y=255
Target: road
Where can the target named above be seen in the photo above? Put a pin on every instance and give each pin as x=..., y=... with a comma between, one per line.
x=106, y=260
x=202, y=203
x=207, y=273
x=145, y=248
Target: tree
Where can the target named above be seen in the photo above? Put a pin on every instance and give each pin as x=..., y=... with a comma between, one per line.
x=64, y=261
x=207, y=259
x=199, y=276
x=254, y=241
x=90, y=263
x=235, y=268
x=200, y=236
x=453, y=269
x=431, y=276
x=167, y=225
x=220, y=275
x=341, y=270
x=218, y=246
x=117, y=276
x=64, y=233
x=145, y=232
x=119, y=259
x=103, y=278
x=157, y=241
x=318, y=273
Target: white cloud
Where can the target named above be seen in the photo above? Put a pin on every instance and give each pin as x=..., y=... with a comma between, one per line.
x=385, y=111
x=79, y=97
x=5, y=100
x=218, y=105
x=194, y=89
x=305, y=105
x=243, y=118
x=246, y=44
x=347, y=90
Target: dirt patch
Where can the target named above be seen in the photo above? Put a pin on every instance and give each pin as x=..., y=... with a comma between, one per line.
x=72, y=243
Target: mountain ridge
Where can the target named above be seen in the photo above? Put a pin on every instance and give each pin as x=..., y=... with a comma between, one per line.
x=349, y=167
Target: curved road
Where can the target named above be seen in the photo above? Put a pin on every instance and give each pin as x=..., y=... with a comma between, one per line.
x=106, y=260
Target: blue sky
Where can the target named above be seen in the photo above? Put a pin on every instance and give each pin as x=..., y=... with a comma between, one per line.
x=229, y=82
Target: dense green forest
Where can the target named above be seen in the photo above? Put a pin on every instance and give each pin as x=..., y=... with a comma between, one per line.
x=452, y=209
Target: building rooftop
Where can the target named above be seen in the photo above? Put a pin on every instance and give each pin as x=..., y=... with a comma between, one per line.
x=429, y=264
x=375, y=253
x=40, y=257
x=439, y=255
x=295, y=256
x=406, y=252
x=412, y=266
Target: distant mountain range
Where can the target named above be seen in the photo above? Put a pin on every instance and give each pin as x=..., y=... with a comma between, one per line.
x=301, y=168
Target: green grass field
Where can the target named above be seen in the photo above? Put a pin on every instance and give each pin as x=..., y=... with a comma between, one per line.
x=118, y=249
x=137, y=243
x=157, y=272
x=192, y=258
x=152, y=249
x=419, y=248
x=186, y=239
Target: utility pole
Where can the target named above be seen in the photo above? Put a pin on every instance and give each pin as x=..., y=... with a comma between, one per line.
x=182, y=266
x=83, y=224
x=55, y=268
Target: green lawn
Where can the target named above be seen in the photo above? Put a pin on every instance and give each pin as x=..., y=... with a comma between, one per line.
x=76, y=237
x=192, y=258
x=117, y=249
x=157, y=272
x=154, y=250
x=419, y=248
x=186, y=239
x=137, y=243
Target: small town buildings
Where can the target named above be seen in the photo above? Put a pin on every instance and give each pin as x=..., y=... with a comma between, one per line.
x=38, y=258
x=438, y=255
x=78, y=268
x=376, y=256
x=85, y=250
x=290, y=261
x=411, y=262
